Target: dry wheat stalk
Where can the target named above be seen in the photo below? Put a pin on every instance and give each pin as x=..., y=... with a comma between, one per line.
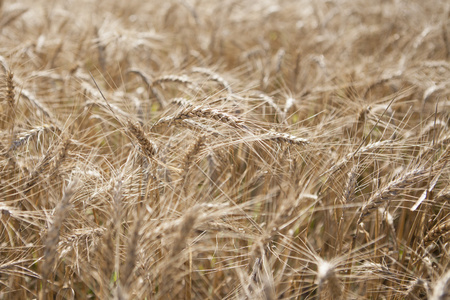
x=443, y=195
x=441, y=143
x=107, y=108
x=8, y=155
x=186, y=226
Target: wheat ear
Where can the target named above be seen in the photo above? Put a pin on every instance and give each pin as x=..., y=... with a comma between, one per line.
x=437, y=231
x=202, y=112
x=148, y=147
x=53, y=233
x=26, y=136
x=441, y=289
x=390, y=190
x=326, y=277
x=213, y=76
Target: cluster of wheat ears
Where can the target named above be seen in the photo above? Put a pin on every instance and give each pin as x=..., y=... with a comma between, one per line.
x=187, y=149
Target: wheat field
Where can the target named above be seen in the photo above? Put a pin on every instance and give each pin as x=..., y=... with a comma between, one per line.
x=189, y=149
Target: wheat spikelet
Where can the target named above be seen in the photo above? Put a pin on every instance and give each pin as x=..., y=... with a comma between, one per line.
x=107, y=108
x=26, y=136
x=366, y=150
x=349, y=190
x=202, y=112
x=108, y=252
x=287, y=106
x=79, y=235
x=271, y=102
x=4, y=64
x=195, y=126
x=30, y=97
x=286, y=138
x=326, y=277
x=191, y=153
x=148, y=147
x=10, y=94
x=39, y=169
x=432, y=125
x=61, y=155
x=415, y=285
x=441, y=289
x=213, y=76
x=187, y=224
x=391, y=189
x=437, y=231
x=149, y=85
x=10, y=100
x=279, y=60
x=172, y=78
x=183, y=102
x=130, y=262
x=53, y=233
